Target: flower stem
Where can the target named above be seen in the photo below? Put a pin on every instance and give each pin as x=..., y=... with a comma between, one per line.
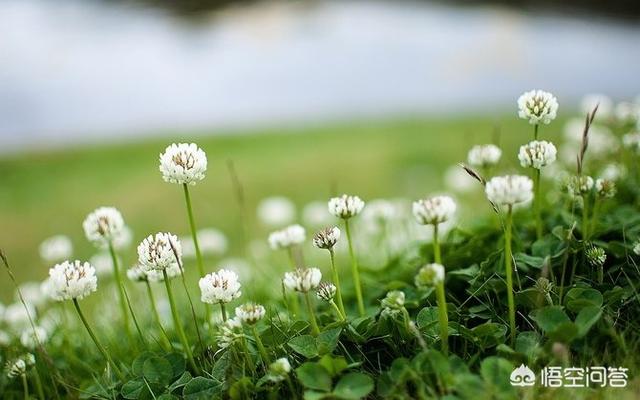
x=261, y=349
x=443, y=317
x=102, y=350
x=312, y=315
x=121, y=294
x=509, y=273
x=335, y=307
x=355, y=270
x=585, y=218
x=295, y=305
x=536, y=203
x=38, y=383
x=224, y=311
x=336, y=281
x=176, y=322
x=600, y=274
x=245, y=350
x=25, y=386
x=437, y=257
x=535, y=132
x=165, y=338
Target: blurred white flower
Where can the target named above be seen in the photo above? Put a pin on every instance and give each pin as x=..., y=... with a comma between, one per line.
x=627, y=112
x=279, y=369
x=137, y=274
x=613, y=172
x=509, y=189
x=394, y=300
x=103, y=263
x=485, y=155
x=2, y=310
x=457, y=180
x=632, y=141
x=31, y=338
x=537, y=154
x=604, y=103
x=430, y=275
x=379, y=211
x=537, y=107
x=5, y=339
x=230, y=331
x=212, y=241
x=238, y=265
x=72, y=280
x=580, y=185
x=636, y=248
x=183, y=163
x=250, y=313
x=16, y=368
x=122, y=240
x=345, y=206
x=326, y=291
x=605, y=188
x=56, y=248
x=156, y=251
x=287, y=237
x=434, y=210
x=302, y=279
x=103, y=225
x=315, y=214
x=602, y=142
x=156, y=275
x=219, y=287
x=17, y=317
x=326, y=238
x=32, y=294
x=276, y=211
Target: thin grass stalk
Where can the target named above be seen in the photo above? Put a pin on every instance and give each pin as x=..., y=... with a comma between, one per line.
x=38, y=383
x=261, y=349
x=443, y=316
x=295, y=304
x=245, y=350
x=166, y=342
x=135, y=320
x=336, y=281
x=102, y=350
x=355, y=270
x=176, y=322
x=121, y=294
x=509, y=274
x=312, y=315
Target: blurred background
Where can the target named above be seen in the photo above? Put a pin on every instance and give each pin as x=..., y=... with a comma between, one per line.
x=305, y=98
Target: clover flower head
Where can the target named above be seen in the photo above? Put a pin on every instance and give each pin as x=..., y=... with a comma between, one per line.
x=430, y=275
x=287, y=237
x=394, y=300
x=596, y=256
x=137, y=274
x=326, y=238
x=17, y=368
x=17, y=317
x=279, y=369
x=5, y=339
x=636, y=248
x=156, y=275
x=250, y=313
x=580, y=185
x=156, y=251
x=31, y=338
x=212, y=241
x=627, y=112
x=326, y=291
x=544, y=286
x=183, y=163
x=632, y=141
x=72, y=280
x=219, y=287
x=276, y=211
x=345, y=206
x=230, y=331
x=32, y=293
x=509, y=189
x=537, y=107
x=537, y=154
x=434, y=210
x=605, y=188
x=56, y=248
x=103, y=225
x=613, y=172
x=484, y=155
x=315, y=214
x=302, y=279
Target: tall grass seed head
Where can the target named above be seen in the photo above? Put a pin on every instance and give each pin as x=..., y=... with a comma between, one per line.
x=484, y=155
x=285, y=238
x=326, y=291
x=434, y=210
x=219, y=287
x=250, y=313
x=596, y=256
x=509, y=189
x=72, y=280
x=537, y=106
x=103, y=225
x=183, y=163
x=279, y=369
x=605, y=188
x=537, y=154
x=430, y=275
x=56, y=248
x=326, y=238
x=345, y=206
x=156, y=251
x=302, y=279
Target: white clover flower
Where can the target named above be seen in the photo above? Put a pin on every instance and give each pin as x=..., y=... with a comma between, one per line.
x=212, y=241
x=326, y=291
x=276, y=211
x=485, y=155
x=394, y=300
x=613, y=172
x=430, y=275
x=230, y=331
x=302, y=279
x=137, y=274
x=605, y=188
x=315, y=214
x=580, y=185
x=537, y=107
x=219, y=287
x=250, y=313
x=31, y=338
x=279, y=369
x=604, y=103
x=509, y=189
x=183, y=163
x=632, y=141
x=103, y=225
x=434, y=210
x=16, y=316
x=56, y=248
x=156, y=251
x=457, y=180
x=636, y=248
x=379, y=211
x=627, y=112
x=537, y=154
x=287, y=237
x=326, y=238
x=596, y=256
x=103, y=263
x=5, y=339
x=16, y=368
x=31, y=293
x=156, y=275
x=345, y=206
x=72, y=280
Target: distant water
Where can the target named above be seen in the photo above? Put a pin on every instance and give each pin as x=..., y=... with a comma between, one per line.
x=77, y=70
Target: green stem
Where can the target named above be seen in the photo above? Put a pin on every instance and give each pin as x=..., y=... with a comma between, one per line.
x=335, y=307
x=245, y=350
x=292, y=389
x=102, y=350
x=536, y=203
x=295, y=304
x=224, y=311
x=509, y=273
x=436, y=246
x=312, y=315
x=600, y=274
x=443, y=317
x=336, y=281
x=176, y=322
x=25, y=386
x=121, y=294
x=594, y=215
x=38, y=383
x=535, y=132
x=355, y=270
x=585, y=218
x=165, y=337
x=261, y=349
